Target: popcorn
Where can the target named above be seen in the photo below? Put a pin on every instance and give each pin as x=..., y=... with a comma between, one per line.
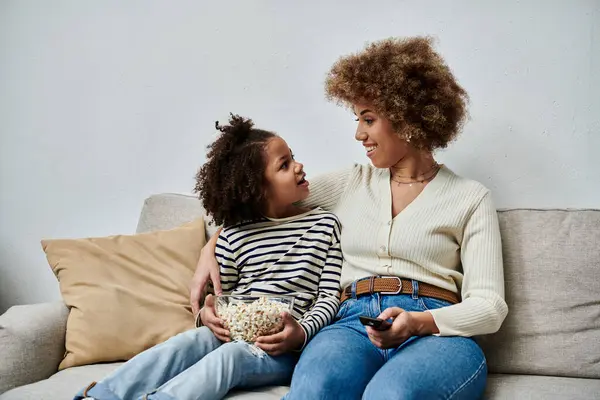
x=248, y=320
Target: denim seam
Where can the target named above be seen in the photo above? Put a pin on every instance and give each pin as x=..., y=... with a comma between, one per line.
x=471, y=379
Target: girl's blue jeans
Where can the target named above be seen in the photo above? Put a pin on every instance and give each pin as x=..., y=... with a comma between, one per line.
x=193, y=365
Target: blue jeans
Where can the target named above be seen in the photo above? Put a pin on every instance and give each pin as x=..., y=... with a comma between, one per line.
x=341, y=362
x=192, y=365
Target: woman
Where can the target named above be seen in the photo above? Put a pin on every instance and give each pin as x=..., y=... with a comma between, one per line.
x=421, y=245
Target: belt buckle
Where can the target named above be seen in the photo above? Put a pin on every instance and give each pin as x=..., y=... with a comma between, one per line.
x=399, y=284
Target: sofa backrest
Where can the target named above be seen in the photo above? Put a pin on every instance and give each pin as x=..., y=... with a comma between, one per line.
x=168, y=210
x=551, y=269
x=552, y=275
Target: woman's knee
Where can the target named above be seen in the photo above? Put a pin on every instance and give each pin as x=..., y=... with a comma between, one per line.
x=401, y=389
x=315, y=373
x=458, y=375
x=310, y=382
x=474, y=386
x=397, y=390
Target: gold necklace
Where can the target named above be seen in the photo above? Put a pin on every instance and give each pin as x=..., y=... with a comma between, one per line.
x=427, y=176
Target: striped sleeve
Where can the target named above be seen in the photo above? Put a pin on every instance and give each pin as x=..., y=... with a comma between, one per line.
x=227, y=264
x=326, y=306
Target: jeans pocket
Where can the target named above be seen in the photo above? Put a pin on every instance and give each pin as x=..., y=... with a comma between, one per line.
x=430, y=303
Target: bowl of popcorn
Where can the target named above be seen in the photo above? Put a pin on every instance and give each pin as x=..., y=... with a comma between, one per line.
x=248, y=317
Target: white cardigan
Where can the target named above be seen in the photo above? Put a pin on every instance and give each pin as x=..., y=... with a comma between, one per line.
x=448, y=237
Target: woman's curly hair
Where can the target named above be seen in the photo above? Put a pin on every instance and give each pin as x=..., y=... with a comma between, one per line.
x=408, y=83
x=231, y=184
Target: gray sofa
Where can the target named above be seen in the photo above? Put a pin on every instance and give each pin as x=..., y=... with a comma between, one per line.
x=548, y=347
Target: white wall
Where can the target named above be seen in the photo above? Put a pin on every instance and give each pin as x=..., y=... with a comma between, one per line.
x=104, y=103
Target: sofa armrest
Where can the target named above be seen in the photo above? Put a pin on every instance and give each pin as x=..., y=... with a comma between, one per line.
x=32, y=343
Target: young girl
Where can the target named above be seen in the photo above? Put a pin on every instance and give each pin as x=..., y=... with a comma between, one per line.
x=268, y=246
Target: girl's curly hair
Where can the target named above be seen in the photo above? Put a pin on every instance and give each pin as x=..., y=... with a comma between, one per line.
x=231, y=184
x=408, y=83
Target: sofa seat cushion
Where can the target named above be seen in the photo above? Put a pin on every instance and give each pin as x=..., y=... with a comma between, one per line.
x=62, y=385
x=66, y=383
x=532, y=387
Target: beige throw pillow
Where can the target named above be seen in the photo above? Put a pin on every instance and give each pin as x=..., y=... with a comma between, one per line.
x=125, y=293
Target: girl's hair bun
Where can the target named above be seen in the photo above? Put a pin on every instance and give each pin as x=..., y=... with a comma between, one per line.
x=239, y=127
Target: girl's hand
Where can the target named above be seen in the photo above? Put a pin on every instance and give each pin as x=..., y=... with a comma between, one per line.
x=290, y=338
x=209, y=319
x=402, y=328
x=207, y=270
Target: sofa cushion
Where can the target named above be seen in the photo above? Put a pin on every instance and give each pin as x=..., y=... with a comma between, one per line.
x=125, y=293
x=551, y=267
x=531, y=387
x=66, y=383
x=168, y=210
x=32, y=343
x=62, y=385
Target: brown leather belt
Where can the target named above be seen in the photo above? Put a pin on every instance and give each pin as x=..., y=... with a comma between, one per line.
x=395, y=285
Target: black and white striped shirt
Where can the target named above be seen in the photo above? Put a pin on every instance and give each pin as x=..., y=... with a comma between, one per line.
x=299, y=256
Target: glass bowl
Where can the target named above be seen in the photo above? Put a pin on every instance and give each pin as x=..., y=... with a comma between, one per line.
x=248, y=317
